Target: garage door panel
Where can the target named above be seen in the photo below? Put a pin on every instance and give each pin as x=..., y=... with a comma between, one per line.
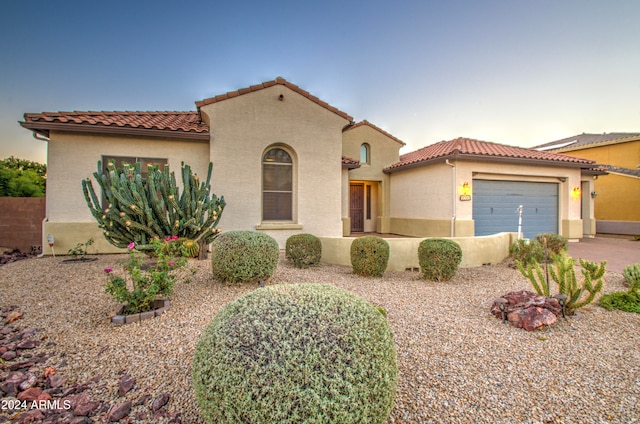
x=495, y=205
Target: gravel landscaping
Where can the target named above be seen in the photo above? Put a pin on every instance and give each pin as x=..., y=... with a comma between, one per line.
x=457, y=363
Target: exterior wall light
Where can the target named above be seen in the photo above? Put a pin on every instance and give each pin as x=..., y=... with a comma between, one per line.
x=594, y=194
x=577, y=192
x=465, y=192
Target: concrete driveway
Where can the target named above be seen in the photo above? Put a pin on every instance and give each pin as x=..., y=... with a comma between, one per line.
x=617, y=251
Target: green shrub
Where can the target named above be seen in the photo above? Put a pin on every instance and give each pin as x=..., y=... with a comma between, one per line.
x=628, y=301
x=238, y=256
x=303, y=250
x=526, y=251
x=555, y=242
x=308, y=353
x=369, y=256
x=439, y=258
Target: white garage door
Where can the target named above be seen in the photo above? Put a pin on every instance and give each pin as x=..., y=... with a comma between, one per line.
x=495, y=207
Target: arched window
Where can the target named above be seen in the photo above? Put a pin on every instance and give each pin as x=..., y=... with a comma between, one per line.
x=277, y=185
x=365, y=152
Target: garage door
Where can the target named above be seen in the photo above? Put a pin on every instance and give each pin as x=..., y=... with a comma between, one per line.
x=495, y=207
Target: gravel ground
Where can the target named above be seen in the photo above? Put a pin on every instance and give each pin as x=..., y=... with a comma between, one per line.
x=457, y=364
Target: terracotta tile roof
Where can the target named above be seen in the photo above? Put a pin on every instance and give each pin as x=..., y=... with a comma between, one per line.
x=380, y=130
x=624, y=171
x=350, y=163
x=466, y=148
x=580, y=141
x=277, y=81
x=181, y=123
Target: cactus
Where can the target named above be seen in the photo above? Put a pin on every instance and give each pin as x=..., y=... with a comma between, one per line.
x=191, y=248
x=631, y=273
x=141, y=209
x=563, y=273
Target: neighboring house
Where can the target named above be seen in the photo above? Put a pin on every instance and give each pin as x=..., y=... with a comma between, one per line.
x=617, y=195
x=287, y=162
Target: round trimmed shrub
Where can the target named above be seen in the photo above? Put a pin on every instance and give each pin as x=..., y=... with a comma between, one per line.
x=555, y=242
x=303, y=250
x=439, y=258
x=308, y=353
x=238, y=256
x=369, y=256
x=526, y=251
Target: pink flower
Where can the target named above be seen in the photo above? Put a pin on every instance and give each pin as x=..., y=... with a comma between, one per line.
x=130, y=175
x=108, y=270
x=174, y=237
x=131, y=246
x=167, y=239
x=171, y=263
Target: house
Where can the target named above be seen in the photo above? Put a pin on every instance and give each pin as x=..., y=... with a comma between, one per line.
x=288, y=162
x=465, y=187
x=617, y=195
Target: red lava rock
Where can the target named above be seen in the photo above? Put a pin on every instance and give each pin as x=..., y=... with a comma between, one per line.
x=56, y=381
x=126, y=384
x=528, y=310
x=160, y=401
x=27, y=344
x=9, y=355
x=31, y=393
x=84, y=406
x=13, y=316
x=44, y=397
x=118, y=412
x=29, y=381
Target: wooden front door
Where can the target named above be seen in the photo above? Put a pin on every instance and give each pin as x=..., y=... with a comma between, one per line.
x=356, y=209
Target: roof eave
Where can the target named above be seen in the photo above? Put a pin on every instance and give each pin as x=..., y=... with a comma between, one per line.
x=46, y=128
x=488, y=158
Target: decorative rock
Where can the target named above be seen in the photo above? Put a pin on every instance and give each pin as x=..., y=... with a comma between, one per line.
x=56, y=381
x=118, y=412
x=13, y=316
x=9, y=355
x=160, y=401
x=29, y=381
x=126, y=384
x=30, y=394
x=528, y=310
x=83, y=405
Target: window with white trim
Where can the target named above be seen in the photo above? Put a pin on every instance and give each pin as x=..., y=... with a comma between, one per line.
x=277, y=185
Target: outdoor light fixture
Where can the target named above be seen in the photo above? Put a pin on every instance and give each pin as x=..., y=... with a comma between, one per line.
x=562, y=300
x=594, y=194
x=502, y=304
x=465, y=192
x=576, y=191
x=50, y=240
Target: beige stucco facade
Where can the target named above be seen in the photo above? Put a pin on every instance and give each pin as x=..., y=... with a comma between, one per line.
x=76, y=156
x=383, y=151
x=426, y=202
x=243, y=128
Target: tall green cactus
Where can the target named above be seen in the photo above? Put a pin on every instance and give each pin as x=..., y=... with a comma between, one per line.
x=140, y=209
x=563, y=273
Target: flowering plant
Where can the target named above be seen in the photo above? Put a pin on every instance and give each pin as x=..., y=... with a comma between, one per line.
x=142, y=283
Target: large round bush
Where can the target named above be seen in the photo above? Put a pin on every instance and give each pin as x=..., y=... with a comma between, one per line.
x=238, y=256
x=439, y=258
x=303, y=250
x=308, y=353
x=369, y=256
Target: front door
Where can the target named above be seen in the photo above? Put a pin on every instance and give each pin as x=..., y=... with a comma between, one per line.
x=356, y=210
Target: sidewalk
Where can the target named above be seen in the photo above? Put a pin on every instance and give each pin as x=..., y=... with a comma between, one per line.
x=617, y=251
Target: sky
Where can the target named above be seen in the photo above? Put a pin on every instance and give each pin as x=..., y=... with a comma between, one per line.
x=515, y=72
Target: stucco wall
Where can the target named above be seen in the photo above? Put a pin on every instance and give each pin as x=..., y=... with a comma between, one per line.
x=74, y=157
x=403, y=252
x=244, y=127
x=427, y=196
